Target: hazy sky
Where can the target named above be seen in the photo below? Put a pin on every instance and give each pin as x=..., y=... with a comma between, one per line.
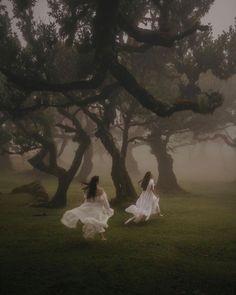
x=221, y=15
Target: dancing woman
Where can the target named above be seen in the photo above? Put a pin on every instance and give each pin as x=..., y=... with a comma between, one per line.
x=147, y=203
x=93, y=213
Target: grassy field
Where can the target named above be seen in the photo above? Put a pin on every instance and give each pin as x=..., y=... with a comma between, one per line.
x=191, y=250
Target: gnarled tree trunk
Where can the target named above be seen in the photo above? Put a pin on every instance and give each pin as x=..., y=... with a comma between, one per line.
x=120, y=177
x=46, y=159
x=167, y=181
x=59, y=200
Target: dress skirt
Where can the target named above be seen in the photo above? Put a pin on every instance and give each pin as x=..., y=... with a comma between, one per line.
x=93, y=215
x=146, y=205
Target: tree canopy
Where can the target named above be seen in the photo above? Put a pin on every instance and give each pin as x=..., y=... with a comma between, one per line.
x=92, y=36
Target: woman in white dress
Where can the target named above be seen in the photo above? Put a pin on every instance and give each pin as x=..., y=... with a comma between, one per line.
x=93, y=213
x=147, y=203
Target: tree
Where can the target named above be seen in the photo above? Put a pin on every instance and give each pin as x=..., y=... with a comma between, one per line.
x=37, y=134
x=83, y=57
x=180, y=81
x=99, y=37
x=104, y=117
x=5, y=160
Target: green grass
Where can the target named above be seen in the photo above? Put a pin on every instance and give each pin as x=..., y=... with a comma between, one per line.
x=191, y=250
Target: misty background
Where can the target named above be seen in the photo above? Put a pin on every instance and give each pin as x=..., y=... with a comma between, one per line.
x=208, y=161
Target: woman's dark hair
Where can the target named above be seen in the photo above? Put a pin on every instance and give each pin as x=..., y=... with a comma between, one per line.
x=145, y=180
x=91, y=187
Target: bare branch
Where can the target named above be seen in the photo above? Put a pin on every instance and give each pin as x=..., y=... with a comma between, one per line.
x=139, y=138
x=159, y=107
x=27, y=84
x=227, y=139
x=157, y=38
x=67, y=128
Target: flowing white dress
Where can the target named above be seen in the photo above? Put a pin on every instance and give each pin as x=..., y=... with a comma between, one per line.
x=93, y=213
x=146, y=205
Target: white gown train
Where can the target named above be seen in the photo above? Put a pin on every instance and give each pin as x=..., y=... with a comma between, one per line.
x=146, y=205
x=93, y=213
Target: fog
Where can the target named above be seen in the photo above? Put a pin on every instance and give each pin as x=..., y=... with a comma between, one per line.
x=196, y=162
x=208, y=161
x=94, y=95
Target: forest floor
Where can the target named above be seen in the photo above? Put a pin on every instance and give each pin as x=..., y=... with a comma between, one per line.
x=189, y=251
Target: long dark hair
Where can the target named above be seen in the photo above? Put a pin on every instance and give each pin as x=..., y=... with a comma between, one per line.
x=91, y=187
x=145, y=180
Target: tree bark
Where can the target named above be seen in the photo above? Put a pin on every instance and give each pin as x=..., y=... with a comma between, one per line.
x=46, y=159
x=167, y=181
x=59, y=200
x=120, y=177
